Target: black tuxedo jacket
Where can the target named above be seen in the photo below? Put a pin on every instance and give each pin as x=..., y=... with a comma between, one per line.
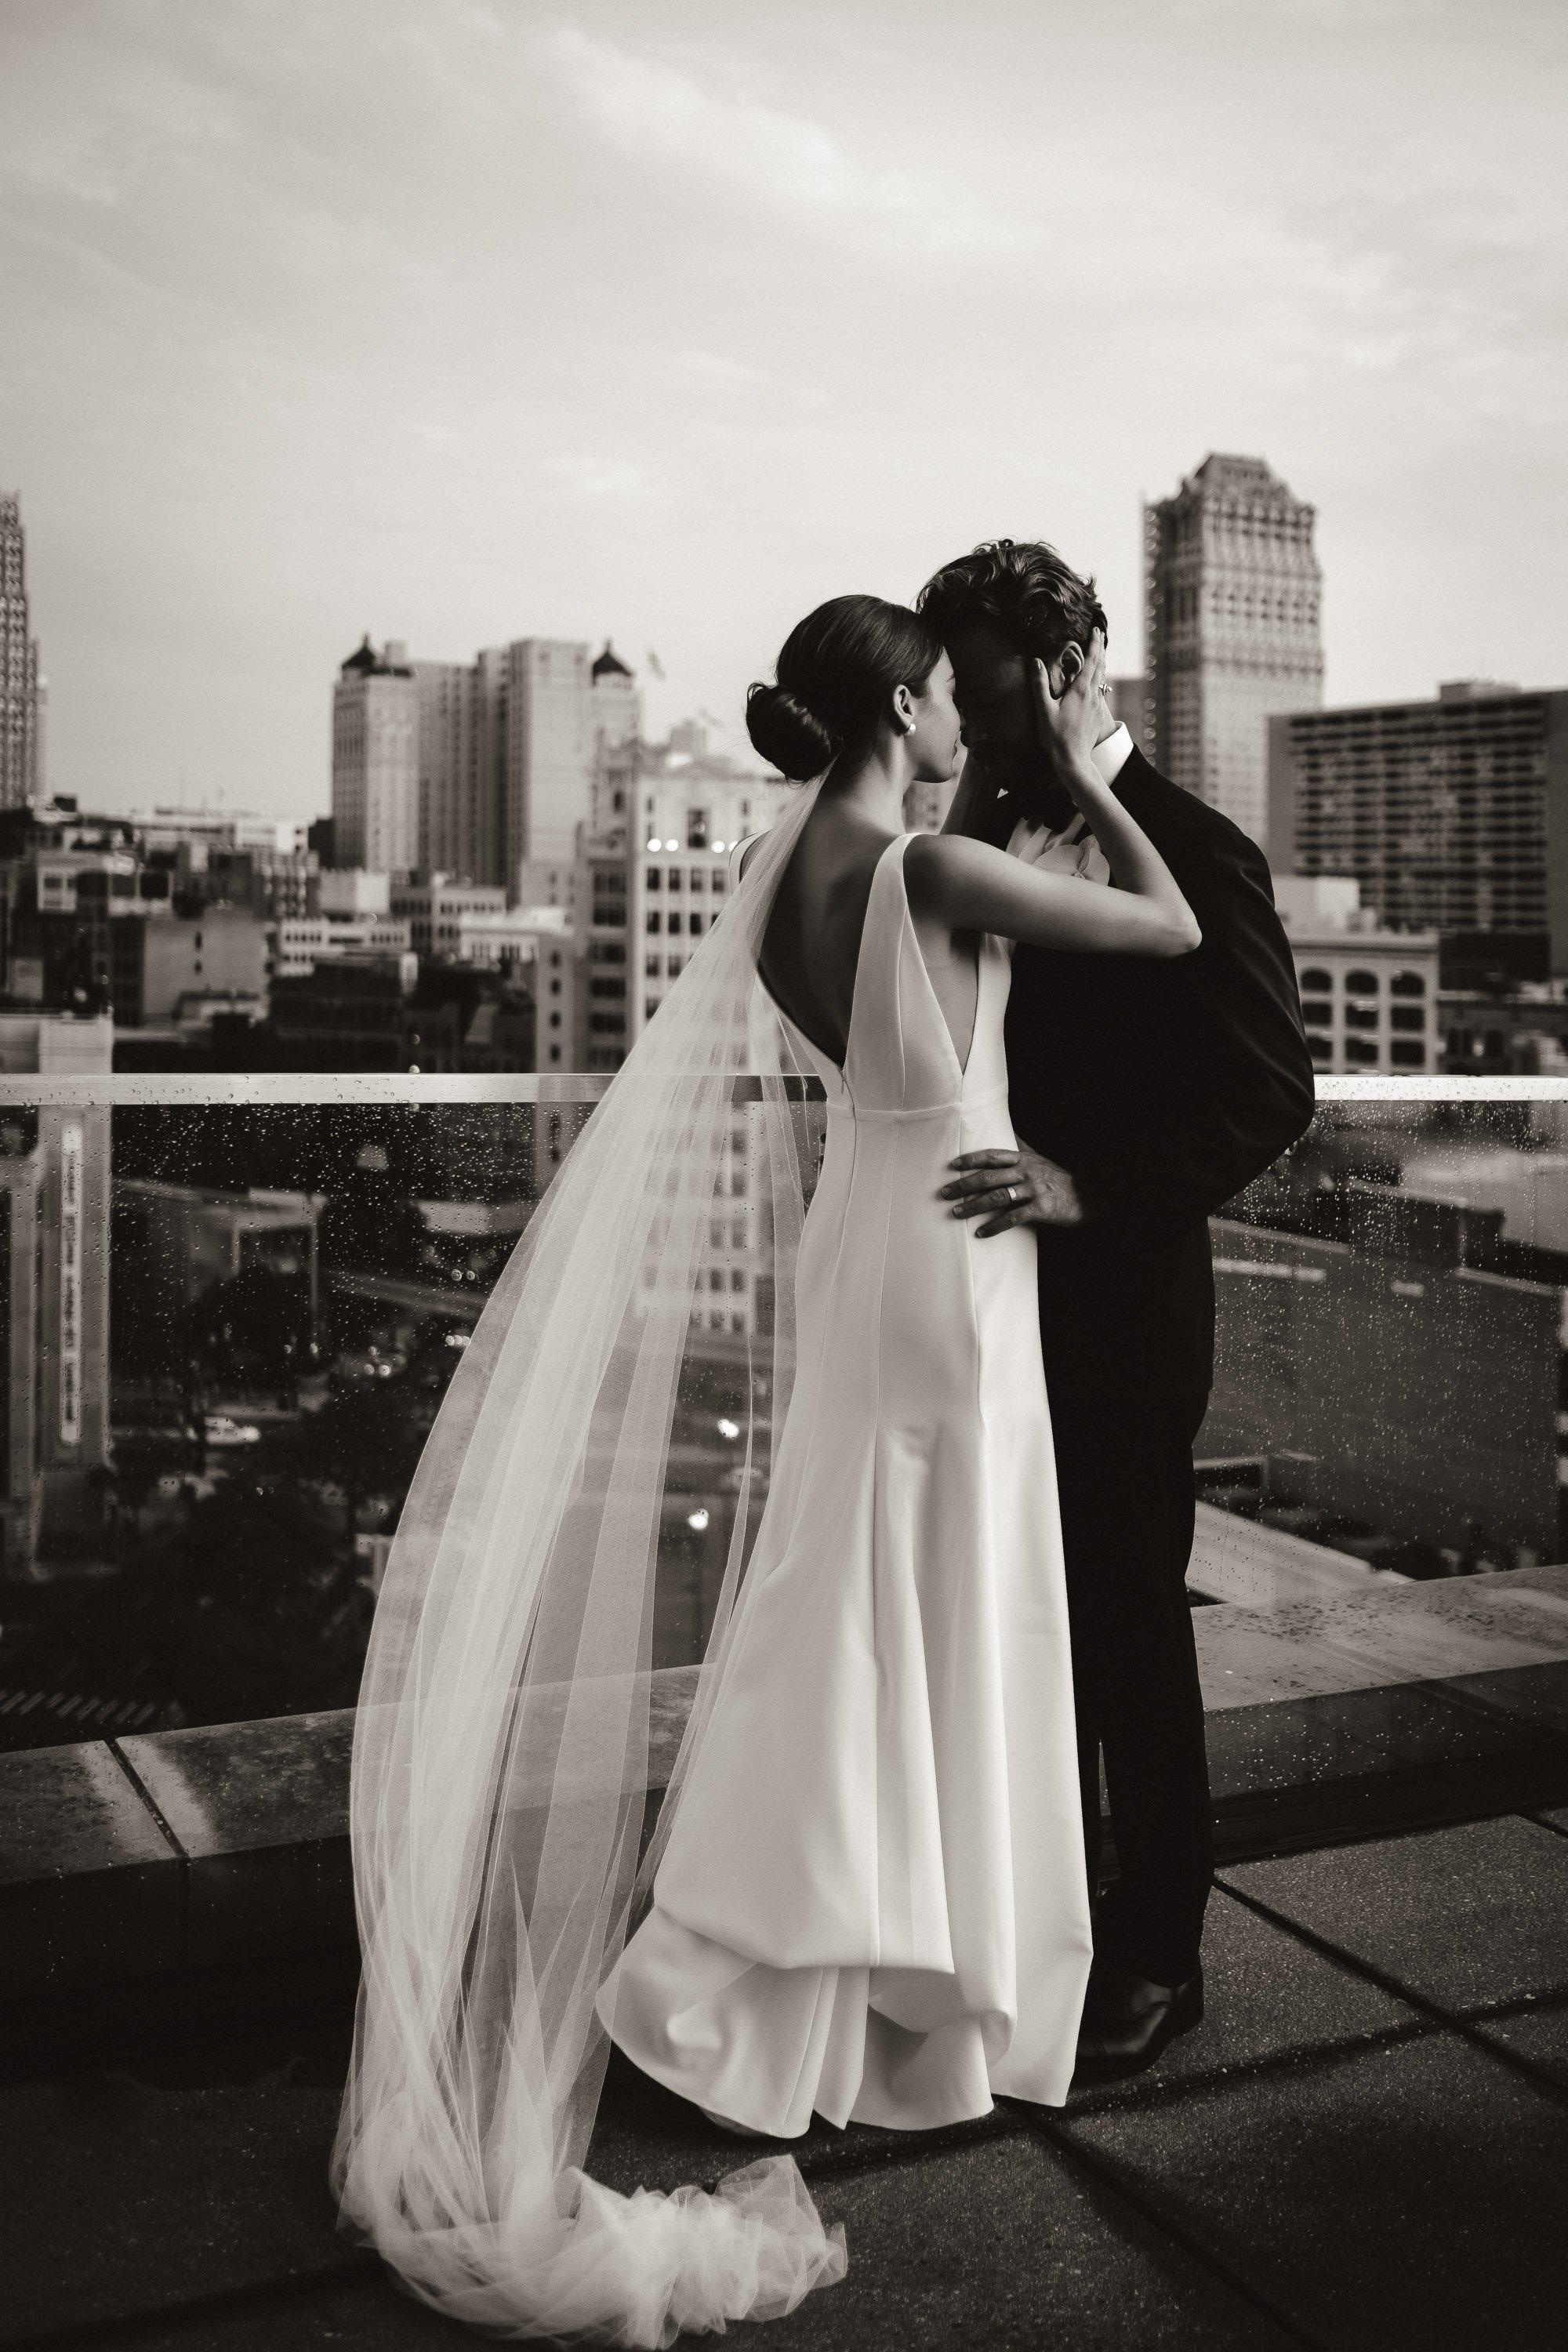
x=1164, y=1086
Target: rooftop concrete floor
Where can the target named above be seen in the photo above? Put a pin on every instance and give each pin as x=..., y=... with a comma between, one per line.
x=1362, y=2145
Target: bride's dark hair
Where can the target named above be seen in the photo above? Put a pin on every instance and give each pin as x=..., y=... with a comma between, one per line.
x=835, y=670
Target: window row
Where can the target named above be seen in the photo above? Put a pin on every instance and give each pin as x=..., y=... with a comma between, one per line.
x=661, y=877
x=1362, y=983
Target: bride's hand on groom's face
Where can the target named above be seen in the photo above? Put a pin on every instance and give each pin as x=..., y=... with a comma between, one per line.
x=1072, y=721
x=1011, y=1188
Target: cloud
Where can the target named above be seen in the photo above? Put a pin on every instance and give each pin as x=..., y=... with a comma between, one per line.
x=657, y=113
x=606, y=478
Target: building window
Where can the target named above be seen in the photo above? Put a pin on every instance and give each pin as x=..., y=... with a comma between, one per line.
x=1407, y=1016
x=674, y=920
x=1406, y=1053
x=1361, y=1016
x=655, y=922
x=652, y=966
x=1362, y=1051
x=697, y=828
x=695, y=925
x=675, y=877
x=656, y=878
x=1321, y=980
x=1323, y=1049
x=1360, y=983
x=1407, y=983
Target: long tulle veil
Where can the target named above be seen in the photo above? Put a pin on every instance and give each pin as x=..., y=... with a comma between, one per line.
x=500, y=1766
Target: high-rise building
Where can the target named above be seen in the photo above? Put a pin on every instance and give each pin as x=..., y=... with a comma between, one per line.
x=455, y=830
x=615, y=705
x=1232, y=591
x=503, y=762
x=19, y=711
x=376, y=760
x=548, y=741
x=1451, y=815
x=1132, y=707
x=54, y=1294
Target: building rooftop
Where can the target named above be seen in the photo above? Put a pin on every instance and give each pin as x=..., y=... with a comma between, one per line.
x=609, y=664
x=1361, y=2145
x=365, y=662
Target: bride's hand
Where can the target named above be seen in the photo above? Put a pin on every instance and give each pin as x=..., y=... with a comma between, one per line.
x=1071, y=723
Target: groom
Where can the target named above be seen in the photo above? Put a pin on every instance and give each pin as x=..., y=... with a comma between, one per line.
x=1144, y=1093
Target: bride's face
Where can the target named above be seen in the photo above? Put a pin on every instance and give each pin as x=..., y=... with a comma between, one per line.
x=934, y=740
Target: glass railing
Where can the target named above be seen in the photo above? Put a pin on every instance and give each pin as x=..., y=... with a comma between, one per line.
x=231, y=1306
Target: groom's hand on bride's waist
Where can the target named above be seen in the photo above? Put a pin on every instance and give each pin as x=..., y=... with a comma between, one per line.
x=1011, y=1188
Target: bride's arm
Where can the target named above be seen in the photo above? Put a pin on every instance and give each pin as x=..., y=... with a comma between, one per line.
x=973, y=887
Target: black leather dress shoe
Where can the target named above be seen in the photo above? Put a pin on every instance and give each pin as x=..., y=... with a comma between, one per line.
x=1128, y=2019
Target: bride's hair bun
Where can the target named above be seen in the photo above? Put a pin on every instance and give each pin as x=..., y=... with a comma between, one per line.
x=836, y=669
x=787, y=735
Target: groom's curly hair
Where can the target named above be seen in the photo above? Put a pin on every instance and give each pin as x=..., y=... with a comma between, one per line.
x=1023, y=587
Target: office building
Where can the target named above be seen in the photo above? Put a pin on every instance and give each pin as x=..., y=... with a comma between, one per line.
x=1451, y=815
x=615, y=706
x=547, y=733
x=54, y=1294
x=454, y=824
x=1369, y=996
x=482, y=769
x=1232, y=591
x=296, y=944
x=652, y=883
x=19, y=689
x=376, y=760
x=1132, y=707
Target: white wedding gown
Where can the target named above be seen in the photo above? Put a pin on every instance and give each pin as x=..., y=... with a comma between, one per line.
x=873, y=1902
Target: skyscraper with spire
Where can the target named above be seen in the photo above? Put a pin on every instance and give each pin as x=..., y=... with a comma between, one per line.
x=1232, y=592
x=20, y=728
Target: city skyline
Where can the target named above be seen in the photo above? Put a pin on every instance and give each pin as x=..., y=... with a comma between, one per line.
x=463, y=324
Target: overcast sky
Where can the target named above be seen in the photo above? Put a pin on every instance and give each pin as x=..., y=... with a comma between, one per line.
x=459, y=322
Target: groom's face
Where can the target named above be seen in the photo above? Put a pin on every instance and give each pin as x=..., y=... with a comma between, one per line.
x=992, y=686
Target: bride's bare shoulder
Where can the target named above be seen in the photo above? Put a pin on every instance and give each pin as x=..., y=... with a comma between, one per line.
x=937, y=864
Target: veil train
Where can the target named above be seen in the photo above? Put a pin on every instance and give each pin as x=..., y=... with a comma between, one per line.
x=500, y=1766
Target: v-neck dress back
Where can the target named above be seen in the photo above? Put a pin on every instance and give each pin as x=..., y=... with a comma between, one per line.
x=873, y=1901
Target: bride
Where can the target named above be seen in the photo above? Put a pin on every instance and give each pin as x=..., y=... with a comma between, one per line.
x=864, y=1894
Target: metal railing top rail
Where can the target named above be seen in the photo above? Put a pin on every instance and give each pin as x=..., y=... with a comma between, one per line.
x=170, y=1090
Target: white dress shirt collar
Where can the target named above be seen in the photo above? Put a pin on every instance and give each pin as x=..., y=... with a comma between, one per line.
x=1110, y=757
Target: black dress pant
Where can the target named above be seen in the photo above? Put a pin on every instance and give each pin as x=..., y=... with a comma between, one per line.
x=1128, y=1355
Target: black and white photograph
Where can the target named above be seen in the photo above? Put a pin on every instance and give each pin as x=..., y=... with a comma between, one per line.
x=783, y=1175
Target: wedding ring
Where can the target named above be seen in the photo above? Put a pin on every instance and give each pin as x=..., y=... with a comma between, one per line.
x=1015, y=1194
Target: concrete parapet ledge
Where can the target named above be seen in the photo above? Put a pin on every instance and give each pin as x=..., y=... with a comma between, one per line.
x=1350, y=1709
